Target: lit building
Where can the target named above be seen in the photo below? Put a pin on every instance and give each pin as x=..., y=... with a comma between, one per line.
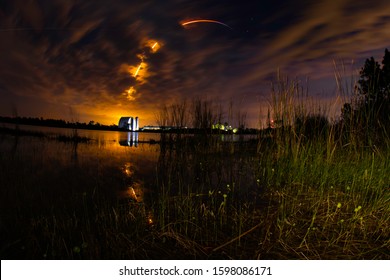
x=128, y=123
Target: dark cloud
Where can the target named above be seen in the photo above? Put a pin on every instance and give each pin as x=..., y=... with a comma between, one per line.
x=80, y=54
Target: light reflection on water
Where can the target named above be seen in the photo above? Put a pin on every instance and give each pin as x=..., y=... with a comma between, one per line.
x=122, y=165
x=103, y=156
x=131, y=140
x=113, y=162
x=100, y=136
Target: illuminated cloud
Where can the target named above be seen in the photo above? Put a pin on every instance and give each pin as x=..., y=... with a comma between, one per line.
x=140, y=71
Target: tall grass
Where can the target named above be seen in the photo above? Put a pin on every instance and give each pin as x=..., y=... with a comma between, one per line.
x=326, y=190
x=302, y=190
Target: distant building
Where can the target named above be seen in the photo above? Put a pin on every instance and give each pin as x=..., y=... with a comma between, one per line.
x=151, y=127
x=128, y=123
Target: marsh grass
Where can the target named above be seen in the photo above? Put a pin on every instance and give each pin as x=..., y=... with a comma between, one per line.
x=333, y=195
x=283, y=203
x=302, y=190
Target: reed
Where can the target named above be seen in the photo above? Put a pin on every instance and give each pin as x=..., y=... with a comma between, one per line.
x=303, y=190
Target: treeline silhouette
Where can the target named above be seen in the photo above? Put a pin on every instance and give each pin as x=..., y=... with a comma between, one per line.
x=57, y=123
x=367, y=116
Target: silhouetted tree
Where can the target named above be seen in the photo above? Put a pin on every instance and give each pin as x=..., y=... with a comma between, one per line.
x=386, y=75
x=368, y=115
x=369, y=81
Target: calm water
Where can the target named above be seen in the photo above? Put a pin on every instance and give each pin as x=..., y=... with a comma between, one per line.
x=96, y=135
x=123, y=164
x=47, y=183
x=117, y=163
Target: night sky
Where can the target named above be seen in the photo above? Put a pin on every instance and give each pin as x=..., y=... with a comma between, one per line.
x=99, y=60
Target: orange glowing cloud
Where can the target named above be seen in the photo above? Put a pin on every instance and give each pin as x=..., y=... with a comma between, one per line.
x=129, y=94
x=153, y=45
x=140, y=72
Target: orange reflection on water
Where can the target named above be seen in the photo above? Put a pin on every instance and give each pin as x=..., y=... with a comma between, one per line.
x=150, y=218
x=133, y=193
x=128, y=169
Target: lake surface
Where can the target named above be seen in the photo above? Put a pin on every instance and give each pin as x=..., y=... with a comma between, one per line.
x=129, y=163
x=143, y=196
x=141, y=179
x=109, y=153
x=96, y=135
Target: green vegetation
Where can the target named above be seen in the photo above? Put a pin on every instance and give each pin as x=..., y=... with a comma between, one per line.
x=305, y=189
